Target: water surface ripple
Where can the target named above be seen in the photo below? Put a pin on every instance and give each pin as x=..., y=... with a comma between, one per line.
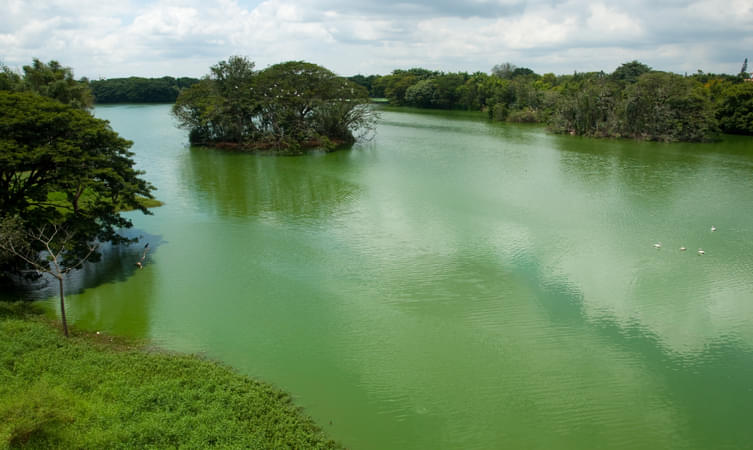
x=455, y=283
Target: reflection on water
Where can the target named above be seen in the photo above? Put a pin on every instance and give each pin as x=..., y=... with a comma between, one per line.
x=234, y=184
x=457, y=283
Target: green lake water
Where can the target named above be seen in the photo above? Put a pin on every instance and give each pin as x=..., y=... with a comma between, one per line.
x=453, y=283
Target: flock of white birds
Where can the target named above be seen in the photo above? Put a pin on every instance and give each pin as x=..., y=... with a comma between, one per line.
x=683, y=248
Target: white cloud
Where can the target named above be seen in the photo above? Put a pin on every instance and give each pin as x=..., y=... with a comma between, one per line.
x=610, y=23
x=169, y=37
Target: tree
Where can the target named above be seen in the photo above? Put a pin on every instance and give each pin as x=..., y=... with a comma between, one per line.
x=735, y=111
x=504, y=70
x=56, y=244
x=667, y=107
x=61, y=167
x=744, y=69
x=630, y=71
x=9, y=80
x=285, y=107
x=55, y=81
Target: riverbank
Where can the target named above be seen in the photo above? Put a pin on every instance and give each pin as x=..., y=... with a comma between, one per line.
x=97, y=391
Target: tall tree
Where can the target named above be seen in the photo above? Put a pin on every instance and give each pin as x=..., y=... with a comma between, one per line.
x=60, y=166
x=630, y=71
x=667, y=107
x=55, y=81
x=735, y=110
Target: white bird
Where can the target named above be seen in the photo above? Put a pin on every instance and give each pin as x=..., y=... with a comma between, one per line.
x=682, y=249
x=657, y=245
x=713, y=228
x=701, y=252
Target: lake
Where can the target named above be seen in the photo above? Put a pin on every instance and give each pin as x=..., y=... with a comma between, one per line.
x=453, y=283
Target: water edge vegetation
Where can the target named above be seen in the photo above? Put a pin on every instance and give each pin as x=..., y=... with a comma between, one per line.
x=97, y=391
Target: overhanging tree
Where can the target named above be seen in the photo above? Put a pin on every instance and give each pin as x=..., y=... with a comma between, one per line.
x=63, y=169
x=45, y=248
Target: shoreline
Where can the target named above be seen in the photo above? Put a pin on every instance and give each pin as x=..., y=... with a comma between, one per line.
x=99, y=391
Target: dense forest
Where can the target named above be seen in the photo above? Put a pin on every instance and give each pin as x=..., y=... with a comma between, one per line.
x=139, y=90
x=634, y=101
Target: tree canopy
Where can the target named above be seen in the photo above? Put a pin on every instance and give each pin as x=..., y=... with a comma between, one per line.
x=284, y=108
x=139, y=90
x=61, y=166
x=55, y=81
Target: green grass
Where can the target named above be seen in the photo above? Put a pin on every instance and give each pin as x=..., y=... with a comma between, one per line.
x=95, y=391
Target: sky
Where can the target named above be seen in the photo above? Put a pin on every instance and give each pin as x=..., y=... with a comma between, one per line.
x=154, y=38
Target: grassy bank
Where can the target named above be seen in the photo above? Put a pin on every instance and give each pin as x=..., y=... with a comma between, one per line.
x=93, y=391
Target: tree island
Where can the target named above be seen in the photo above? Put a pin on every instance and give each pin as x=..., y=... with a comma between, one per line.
x=285, y=108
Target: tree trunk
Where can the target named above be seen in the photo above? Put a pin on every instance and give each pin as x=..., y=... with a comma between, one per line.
x=62, y=307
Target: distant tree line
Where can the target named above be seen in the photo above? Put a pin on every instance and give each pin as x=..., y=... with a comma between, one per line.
x=139, y=90
x=634, y=101
x=284, y=108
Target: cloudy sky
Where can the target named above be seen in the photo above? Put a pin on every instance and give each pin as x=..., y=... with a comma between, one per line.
x=103, y=38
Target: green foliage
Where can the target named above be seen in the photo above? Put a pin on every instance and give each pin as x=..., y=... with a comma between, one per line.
x=735, y=111
x=633, y=101
x=285, y=108
x=55, y=81
x=369, y=82
x=93, y=391
x=667, y=107
x=9, y=80
x=526, y=115
x=139, y=90
x=35, y=415
x=587, y=107
x=630, y=72
x=60, y=165
x=657, y=106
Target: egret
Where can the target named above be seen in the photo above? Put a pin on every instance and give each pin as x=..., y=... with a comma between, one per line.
x=682, y=249
x=701, y=252
x=657, y=245
x=713, y=228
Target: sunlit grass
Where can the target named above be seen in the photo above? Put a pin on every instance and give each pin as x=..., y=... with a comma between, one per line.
x=94, y=391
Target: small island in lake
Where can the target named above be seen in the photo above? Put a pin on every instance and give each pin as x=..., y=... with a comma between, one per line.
x=285, y=108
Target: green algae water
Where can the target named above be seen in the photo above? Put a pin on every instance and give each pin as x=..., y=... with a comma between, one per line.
x=453, y=283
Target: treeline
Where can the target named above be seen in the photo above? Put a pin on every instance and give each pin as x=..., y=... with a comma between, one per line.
x=139, y=90
x=633, y=101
